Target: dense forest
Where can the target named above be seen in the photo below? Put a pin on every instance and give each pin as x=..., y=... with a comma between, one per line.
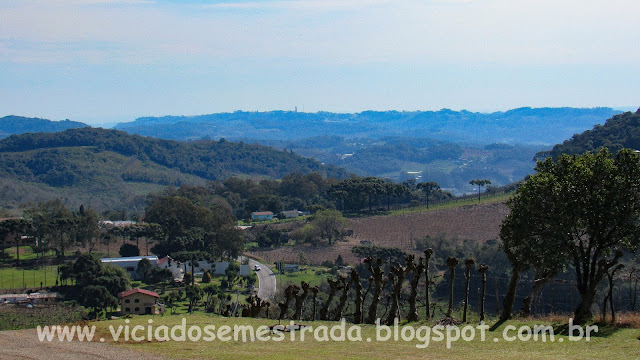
x=212, y=160
x=112, y=169
x=619, y=132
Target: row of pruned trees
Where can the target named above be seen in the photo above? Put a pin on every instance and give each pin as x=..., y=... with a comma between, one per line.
x=351, y=292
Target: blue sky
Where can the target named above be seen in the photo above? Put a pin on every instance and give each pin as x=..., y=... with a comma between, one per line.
x=102, y=61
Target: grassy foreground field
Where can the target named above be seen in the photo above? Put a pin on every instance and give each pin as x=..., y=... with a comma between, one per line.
x=618, y=344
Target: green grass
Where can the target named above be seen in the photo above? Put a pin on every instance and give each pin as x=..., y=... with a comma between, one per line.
x=273, y=221
x=26, y=253
x=309, y=275
x=12, y=278
x=621, y=344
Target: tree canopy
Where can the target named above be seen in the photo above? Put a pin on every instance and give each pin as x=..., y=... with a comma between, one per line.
x=581, y=210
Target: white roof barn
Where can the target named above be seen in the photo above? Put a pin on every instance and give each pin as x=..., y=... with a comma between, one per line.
x=130, y=264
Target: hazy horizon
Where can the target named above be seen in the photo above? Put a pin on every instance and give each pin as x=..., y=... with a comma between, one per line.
x=112, y=123
x=109, y=61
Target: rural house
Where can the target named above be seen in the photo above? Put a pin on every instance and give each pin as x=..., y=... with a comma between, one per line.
x=289, y=214
x=261, y=216
x=139, y=302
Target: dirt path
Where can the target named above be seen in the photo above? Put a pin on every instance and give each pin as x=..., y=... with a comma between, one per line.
x=24, y=344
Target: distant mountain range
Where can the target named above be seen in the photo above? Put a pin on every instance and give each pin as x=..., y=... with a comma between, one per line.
x=518, y=126
x=10, y=125
x=446, y=146
x=110, y=169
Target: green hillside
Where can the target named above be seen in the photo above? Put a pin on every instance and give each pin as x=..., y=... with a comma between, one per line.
x=11, y=125
x=621, y=131
x=107, y=169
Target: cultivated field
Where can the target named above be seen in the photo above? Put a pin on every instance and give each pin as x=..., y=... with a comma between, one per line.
x=470, y=222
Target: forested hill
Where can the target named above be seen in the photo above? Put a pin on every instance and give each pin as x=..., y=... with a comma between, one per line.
x=211, y=160
x=109, y=169
x=10, y=125
x=517, y=126
x=621, y=131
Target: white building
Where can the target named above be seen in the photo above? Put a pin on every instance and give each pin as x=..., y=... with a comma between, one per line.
x=130, y=264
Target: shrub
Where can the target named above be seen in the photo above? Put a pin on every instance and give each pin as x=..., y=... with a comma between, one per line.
x=206, y=277
x=127, y=250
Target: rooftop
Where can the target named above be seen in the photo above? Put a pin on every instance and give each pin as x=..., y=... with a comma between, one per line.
x=130, y=258
x=136, y=291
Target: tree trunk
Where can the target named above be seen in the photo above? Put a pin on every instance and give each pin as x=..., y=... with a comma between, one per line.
x=510, y=296
x=357, y=315
x=334, y=286
x=452, y=262
x=610, y=276
x=468, y=265
x=379, y=282
x=400, y=272
x=589, y=273
x=538, y=283
x=417, y=274
x=603, y=314
x=632, y=290
x=483, y=270
x=343, y=299
x=300, y=301
x=314, y=295
x=583, y=311
x=289, y=293
x=427, y=258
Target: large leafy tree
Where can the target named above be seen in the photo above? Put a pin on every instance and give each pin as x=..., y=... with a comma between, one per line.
x=98, y=298
x=579, y=210
x=329, y=223
x=88, y=270
x=188, y=225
